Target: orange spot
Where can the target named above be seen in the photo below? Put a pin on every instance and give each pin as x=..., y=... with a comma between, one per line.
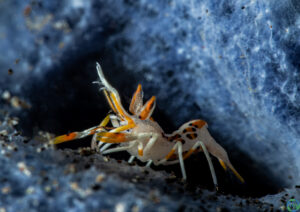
x=141, y=153
x=190, y=129
x=199, y=123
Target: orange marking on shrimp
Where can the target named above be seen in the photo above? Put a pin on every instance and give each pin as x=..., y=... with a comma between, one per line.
x=170, y=154
x=174, y=137
x=109, y=137
x=140, y=152
x=192, y=136
x=120, y=109
x=123, y=128
x=189, y=129
x=64, y=138
x=188, y=154
x=199, y=123
x=144, y=114
x=110, y=101
x=237, y=175
x=223, y=164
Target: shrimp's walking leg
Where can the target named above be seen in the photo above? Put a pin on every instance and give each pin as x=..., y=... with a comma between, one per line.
x=149, y=163
x=181, y=160
x=130, y=160
x=153, y=138
x=186, y=155
x=145, y=136
x=232, y=169
x=140, y=149
x=191, y=151
x=163, y=161
x=196, y=145
x=211, y=167
x=178, y=147
x=104, y=147
x=114, y=136
x=119, y=149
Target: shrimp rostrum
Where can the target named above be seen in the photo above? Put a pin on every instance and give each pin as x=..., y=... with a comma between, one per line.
x=138, y=134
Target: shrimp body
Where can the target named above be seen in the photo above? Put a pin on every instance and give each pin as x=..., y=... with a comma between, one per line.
x=137, y=133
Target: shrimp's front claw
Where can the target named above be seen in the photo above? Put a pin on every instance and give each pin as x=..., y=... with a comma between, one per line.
x=77, y=135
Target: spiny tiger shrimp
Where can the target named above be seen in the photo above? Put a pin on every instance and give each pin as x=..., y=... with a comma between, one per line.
x=142, y=137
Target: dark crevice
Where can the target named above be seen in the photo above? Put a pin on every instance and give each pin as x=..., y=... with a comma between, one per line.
x=68, y=101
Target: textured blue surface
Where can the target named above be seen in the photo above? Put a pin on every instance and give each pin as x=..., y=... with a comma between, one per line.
x=233, y=63
x=33, y=179
x=238, y=62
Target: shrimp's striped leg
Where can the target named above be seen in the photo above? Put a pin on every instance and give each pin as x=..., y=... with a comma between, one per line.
x=169, y=155
x=96, y=144
x=115, y=136
x=77, y=135
x=119, y=149
x=119, y=137
x=223, y=164
x=181, y=158
x=235, y=172
x=178, y=147
x=191, y=151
